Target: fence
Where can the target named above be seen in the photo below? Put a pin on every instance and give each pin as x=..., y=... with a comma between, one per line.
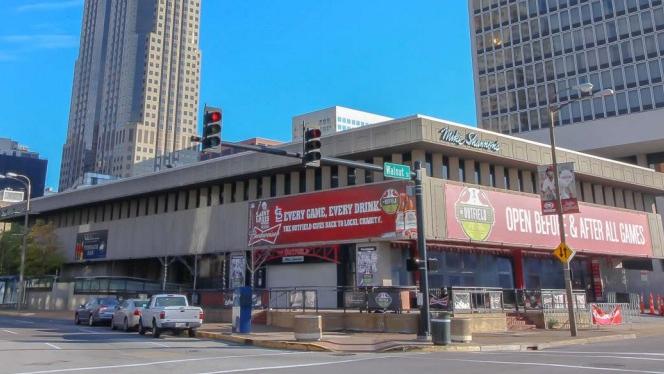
x=553, y=299
x=477, y=299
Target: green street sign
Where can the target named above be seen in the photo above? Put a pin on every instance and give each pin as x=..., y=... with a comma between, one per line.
x=396, y=171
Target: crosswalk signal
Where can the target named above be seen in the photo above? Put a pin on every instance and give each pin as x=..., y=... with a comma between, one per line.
x=312, y=155
x=211, y=129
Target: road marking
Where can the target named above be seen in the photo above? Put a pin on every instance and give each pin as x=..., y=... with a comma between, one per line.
x=551, y=365
x=11, y=332
x=297, y=365
x=53, y=346
x=613, y=353
x=26, y=322
x=159, y=344
x=143, y=364
x=557, y=354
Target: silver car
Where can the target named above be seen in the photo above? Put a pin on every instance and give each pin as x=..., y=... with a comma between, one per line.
x=127, y=314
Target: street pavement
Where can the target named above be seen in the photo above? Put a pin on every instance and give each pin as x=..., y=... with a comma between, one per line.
x=42, y=345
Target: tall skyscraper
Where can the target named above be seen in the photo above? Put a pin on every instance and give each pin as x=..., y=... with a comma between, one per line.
x=136, y=86
x=526, y=53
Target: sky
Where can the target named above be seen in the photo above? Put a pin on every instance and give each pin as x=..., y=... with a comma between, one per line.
x=262, y=62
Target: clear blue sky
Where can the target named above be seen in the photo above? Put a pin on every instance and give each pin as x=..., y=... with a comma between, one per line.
x=263, y=62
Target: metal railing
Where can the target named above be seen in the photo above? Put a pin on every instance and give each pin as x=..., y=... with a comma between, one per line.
x=121, y=286
x=476, y=299
x=539, y=299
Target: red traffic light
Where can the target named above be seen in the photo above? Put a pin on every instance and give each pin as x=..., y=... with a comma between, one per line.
x=212, y=117
x=312, y=133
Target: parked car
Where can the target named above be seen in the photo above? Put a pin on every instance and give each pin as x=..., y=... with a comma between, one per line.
x=169, y=312
x=96, y=310
x=127, y=314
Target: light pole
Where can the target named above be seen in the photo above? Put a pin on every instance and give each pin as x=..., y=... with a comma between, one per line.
x=26, y=182
x=584, y=88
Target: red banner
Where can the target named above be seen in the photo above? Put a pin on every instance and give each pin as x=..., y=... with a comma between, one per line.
x=380, y=210
x=600, y=317
x=499, y=217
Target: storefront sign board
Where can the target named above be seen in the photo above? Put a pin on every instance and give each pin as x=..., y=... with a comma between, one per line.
x=567, y=184
x=91, y=245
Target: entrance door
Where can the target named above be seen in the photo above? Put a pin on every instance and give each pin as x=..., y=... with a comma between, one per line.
x=321, y=277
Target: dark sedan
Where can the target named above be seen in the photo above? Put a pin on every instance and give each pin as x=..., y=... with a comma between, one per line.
x=96, y=310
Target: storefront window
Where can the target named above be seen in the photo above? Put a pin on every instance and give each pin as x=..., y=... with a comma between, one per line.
x=467, y=269
x=543, y=273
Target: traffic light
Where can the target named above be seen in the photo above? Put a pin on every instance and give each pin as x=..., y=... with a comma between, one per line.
x=211, y=129
x=312, y=155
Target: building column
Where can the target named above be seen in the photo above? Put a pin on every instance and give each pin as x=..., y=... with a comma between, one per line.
x=171, y=201
x=418, y=155
x=360, y=175
x=599, y=194
x=193, y=194
x=227, y=194
x=310, y=182
x=204, y=196
x=513, y=176
x=469, y=171
x=499, y=171
x=239, y=191
x=453, y=168
x=294, y=182
x=107, y=212
x=377, y=176
x=252, y=193
x=587, y=192
x=638, y=201
x=649, y=203
x=527, y=177
x=642, y=160
x=182, y=198
x=629, y=199
x=342, y=175
x=437, y=165
x=397, y=158
x=266, y=186
x=214, y=195
x=326, y=177
x=519, y=279
x=619, y=197
x=152, y=204
x=485, y=174
x=608, y=196
x=281, y=184
x=161, y=203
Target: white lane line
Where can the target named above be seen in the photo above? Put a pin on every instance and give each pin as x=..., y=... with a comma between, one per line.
x=263, y=368
x=611, y=353
x=159, y=344
x=53, y=346
x=143, y=364
x=11, y=332
x=549, y=365
x=556, y=354
x=26, y=322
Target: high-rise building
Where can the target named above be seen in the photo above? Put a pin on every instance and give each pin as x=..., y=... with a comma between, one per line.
x=527, y=53
x=334, y=119
x=136, y=86
x=16, y=158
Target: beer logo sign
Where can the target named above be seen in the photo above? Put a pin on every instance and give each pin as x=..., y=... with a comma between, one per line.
x=475, y=214
x=389, y=201
x=383, y=300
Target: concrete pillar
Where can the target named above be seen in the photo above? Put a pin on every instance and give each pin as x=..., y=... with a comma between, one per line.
x=587, y=192
x=437, y=165
x=377, y=176
x=453, y=168
x=599, y=193
x=192, y=195
x=227, y=194
x=469, y=171
x=294, y=182
x=152, y=204
x=608, y=196
x=310, y=182
x=107, y=212
x=649, y=203
x=360, y=176
x=266, y=186
x=203, y=196
x=638, y=201
x=397, y=158
x=239, y=191
x=629, y=199
x=99, y=214
x=642, y=160
x=485, y=174
x=577, y=190
x=281, y=184
x=513, y=176
x=619, y=197
x=171, y=201
x=161, y=204
x=342, y=174
x=132, y=210
x=182, y=199
x=214, y=194
x=527, y=177
x=142, y=203
x=326, y=177
x=252, y=192
x=499, y=170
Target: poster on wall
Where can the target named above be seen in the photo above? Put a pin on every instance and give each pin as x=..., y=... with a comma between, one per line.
x=479, y=215
x=547, y=188
x=378, y=210
x=366, y=266
x=91, y=245
x=238, y=266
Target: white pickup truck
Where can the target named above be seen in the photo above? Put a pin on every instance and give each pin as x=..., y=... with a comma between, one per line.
x=169, y=312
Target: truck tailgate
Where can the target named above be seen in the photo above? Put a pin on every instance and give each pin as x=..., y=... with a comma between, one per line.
x=182, y=314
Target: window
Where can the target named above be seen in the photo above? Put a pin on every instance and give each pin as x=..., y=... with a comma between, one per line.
x=630, y=76
x=585, y=14
x=554, y=23
x=626, y=49
x=634, y=105
x=642, y=73
x=646, y=21
x=639, y=51
x=621, y=101
x=603, y=57
x=623, y=29
x=634, y=25
x=609, y=103
x=655, y=72
x=651, y=46
x=646, y=99
x=564, y=20
x=658, y=13
x=618, y=81
x=658, y=93
x=591, y=57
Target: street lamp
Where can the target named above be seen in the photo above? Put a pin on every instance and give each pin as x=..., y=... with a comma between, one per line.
x=584, y=88
x=26, y=182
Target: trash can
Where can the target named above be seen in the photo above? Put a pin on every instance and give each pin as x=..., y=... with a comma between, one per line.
x=440, y=330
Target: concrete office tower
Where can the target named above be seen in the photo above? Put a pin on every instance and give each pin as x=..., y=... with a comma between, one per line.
x=527, y=52
x=334, y=119
x=136, y=86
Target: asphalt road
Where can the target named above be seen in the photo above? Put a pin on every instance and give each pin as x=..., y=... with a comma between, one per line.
x=32, y=345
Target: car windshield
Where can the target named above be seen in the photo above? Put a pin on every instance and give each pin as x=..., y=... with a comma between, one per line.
x=108, y=302
x=171, y=301
x=141, y=303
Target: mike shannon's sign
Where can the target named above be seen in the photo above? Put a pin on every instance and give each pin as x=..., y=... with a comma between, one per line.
x=471, y=139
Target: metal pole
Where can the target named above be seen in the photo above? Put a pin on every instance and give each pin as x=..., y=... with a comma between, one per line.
x=24, y=245
x=561, y=225
x=424, y=330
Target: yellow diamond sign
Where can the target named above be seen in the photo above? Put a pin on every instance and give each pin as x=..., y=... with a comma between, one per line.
x=563, y=253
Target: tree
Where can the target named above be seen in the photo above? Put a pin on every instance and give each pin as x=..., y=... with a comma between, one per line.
x=43, y=257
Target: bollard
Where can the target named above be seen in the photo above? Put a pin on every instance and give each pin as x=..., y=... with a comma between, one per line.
x=308, y=327
x=461, y=330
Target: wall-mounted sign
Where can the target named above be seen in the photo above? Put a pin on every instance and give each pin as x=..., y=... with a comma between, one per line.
x=470, y=139
x=238, y=265
x=90, y=245
x=567, y=184
x=366, y=266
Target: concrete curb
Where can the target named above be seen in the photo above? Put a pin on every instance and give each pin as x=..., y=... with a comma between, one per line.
x=596, y=339
x=272, y=344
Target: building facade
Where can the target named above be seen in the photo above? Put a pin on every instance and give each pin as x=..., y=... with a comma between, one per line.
x=334, y=119
x=338, y=226
x=136, y=86
x=19, y=159
x=527, y=53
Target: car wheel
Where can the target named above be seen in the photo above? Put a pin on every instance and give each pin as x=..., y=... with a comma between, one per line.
x=76, y=320
x=91, y=321
x=141, y=329
x=125, y=325
x=156, y=331
x=192, y=333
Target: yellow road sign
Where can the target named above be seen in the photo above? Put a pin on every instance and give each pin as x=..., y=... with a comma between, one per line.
x=563, y=253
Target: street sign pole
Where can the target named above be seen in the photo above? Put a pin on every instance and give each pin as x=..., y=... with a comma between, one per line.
x=424, y=330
